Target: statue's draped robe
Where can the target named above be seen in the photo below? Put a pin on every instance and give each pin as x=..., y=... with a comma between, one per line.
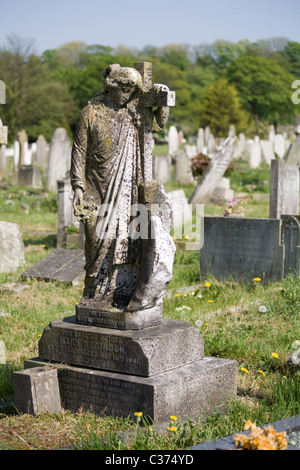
x=106, y=164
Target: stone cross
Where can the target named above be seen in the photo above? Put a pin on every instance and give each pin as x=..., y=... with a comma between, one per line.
x=148, y=100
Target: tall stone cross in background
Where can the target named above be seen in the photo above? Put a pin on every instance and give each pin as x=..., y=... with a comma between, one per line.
x=148, y=100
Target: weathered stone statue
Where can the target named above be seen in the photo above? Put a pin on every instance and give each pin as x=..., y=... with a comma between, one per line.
x=129, y=252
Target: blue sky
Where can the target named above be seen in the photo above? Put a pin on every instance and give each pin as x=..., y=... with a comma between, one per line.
x=137, y=23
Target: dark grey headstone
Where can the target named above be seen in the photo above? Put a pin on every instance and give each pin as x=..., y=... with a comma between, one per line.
x=241, y=249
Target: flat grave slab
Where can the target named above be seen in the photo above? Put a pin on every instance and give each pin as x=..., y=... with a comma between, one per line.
x=61, y=265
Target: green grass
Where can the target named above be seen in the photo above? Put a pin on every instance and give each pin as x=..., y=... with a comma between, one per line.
x=229, y=316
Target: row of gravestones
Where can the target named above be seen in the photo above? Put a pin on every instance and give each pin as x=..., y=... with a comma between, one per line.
x=31, y=163
x=255, y=151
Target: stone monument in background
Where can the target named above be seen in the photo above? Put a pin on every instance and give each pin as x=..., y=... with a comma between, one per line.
x=117, y=354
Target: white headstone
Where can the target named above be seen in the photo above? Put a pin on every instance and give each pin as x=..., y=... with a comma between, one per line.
x=272, y=135
x=162, y=166
x=16, y=154
x=267, y=151
x=11, y=247
x=279, y=145
x=173, y=141
x=255, y=153
x=183, y=167
x=200, y=140
x=59, y=158
x=41, y=152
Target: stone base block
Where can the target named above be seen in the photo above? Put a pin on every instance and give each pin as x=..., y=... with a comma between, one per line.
x=37, y=391
x=187, y=391
x=145, y=352
x=88, y=314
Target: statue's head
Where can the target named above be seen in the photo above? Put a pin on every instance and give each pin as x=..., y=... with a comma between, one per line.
x=121, y=82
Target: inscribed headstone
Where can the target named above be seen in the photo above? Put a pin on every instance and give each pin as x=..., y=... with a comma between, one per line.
x=242, y=249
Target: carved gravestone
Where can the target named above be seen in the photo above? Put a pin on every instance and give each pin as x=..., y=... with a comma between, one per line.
x=117, y=354
x=242, y=249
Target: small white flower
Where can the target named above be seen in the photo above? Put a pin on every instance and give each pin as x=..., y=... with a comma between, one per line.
x=262, y=309
x=198, y=322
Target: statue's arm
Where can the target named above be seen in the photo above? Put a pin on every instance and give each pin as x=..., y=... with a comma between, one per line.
x=78, y=159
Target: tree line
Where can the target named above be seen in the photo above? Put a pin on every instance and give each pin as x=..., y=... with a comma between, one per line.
x=245, y=84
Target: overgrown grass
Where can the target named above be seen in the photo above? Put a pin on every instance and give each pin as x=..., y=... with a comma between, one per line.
x=256, y=325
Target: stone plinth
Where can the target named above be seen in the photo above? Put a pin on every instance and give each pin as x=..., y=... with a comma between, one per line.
x=159, y=370
x=187, y=391
x=147, y=352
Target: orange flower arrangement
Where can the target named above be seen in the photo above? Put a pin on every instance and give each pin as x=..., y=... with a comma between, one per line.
x=261, y=439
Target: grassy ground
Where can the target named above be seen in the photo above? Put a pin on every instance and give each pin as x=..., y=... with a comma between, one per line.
x=256, y=325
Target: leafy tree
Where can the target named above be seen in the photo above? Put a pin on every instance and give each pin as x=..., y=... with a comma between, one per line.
x=33, y=101
x=264, y=88
x=220, y=107
x=292, y=50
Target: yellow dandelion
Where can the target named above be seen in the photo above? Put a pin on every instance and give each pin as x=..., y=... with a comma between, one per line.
x=207, y=284
x=39, y=335
x=173, y=418
x=138, y=414
x=257, y=279
x=243, y=369
x=261, y=372
x=43, y=246
x=186, y=237
x=178, y=295
x=210, y=301
x=206, y=324
x=274, y=354
x=172, y=428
